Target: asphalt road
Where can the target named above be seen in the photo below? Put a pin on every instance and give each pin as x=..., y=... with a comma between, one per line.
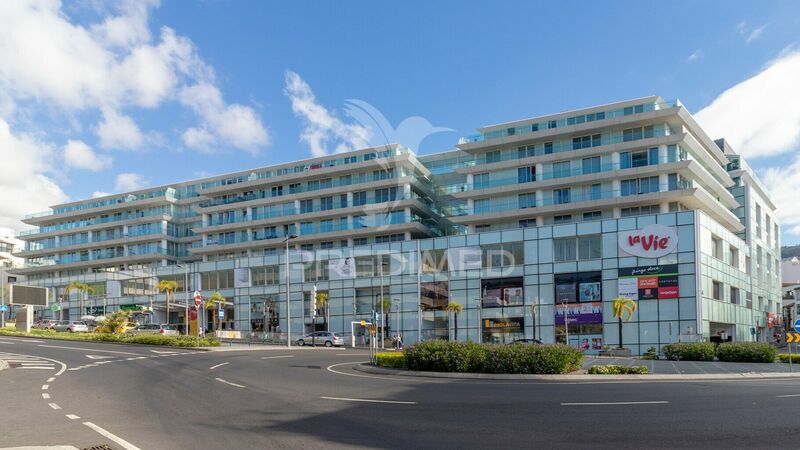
x=130, y=397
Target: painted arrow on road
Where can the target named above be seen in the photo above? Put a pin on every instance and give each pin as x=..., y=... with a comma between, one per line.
x=792, y=337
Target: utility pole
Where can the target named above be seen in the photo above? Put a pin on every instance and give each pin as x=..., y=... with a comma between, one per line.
x=288, y=309
x=383, y=316
x=566, y=322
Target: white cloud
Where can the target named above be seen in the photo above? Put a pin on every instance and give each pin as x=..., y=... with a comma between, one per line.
x=324, y=132
x=118, y=131
x=25, y=177
x=783, y=184
x=697, y=54
x=129, y=182
x=755, y=34
x=235, y=125
x=761, y=115
x=78, y=155
x=97, y=194
x=749, y=33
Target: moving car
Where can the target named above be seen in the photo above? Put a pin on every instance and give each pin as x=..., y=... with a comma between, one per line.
x=72, y=326
x=154, y=328
x=46, y=324
x=325, y=338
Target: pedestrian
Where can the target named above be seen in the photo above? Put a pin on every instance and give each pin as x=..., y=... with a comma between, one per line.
x=399, y=341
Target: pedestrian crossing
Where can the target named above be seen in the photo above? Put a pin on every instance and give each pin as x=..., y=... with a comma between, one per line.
x=15, y=361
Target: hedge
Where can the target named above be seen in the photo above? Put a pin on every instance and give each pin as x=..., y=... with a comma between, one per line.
x=613, y=369
x=391, y=360
x=444, y=356
x=785, y=358
x=689, y=351
x=144, y=339
x=757, y=352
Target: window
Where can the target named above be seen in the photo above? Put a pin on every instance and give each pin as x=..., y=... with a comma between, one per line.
x=527, y=223
x=628, y=110
x=326, y=245
x=306, y=228
x=326, y=226
x=480, y=181
x=482, y=228
x=591, y=165
x=634, y=134
x=735, y=295
x=307, y=247
x=638, y=186
x=565, y=218
x=552, y=124
x=277, y=191
x=716, y=247
x=561, y=169
x=640, y=210
x=325, y=203
x=585, y=142
x=294, y=188
x=564, y=249
x=359, y=198
x=716, y=290
x=493, y=157
x=385, y=195
x=343, y=201
x=526, y=174
x=589, y=247
x=734, y=256
x=359, y=222
x=502, y=255
x=306, y=206
x=525, y=151
x=527, y=200
x=359, y=241
x=592, y=215
x=561, y=196
x=482, y=206
x=591, y=192
x=548, y=148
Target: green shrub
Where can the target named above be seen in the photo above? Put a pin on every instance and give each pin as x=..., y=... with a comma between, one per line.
x=144, y=339
x=391, y=360
x=760, y=352
x=689, y=351
x=443, y=356
x=785, y=358
x=613, y=369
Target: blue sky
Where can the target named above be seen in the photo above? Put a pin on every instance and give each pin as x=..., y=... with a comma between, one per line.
x=185, y=89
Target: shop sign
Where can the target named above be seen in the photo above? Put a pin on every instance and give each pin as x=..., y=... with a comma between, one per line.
x=648, y=282
x=652, y=241
x=579, y=313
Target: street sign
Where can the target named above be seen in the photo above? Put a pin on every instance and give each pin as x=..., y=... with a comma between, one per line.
x=197, y=298
x=363, y=323
x=55, y=307
x=797, y=325
x=792, y=337
x=373, y=329
x=4, y=308
x=221, y=313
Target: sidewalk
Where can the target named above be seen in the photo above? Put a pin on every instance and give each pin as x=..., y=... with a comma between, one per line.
x=666, y=367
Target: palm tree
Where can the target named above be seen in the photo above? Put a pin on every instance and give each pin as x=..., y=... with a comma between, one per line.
x=322, y=303
x=82, y=289
x=211, y=303
x=623, y=306
x=455, y=308
x=269, y=306
x=169, y=287
x=385, y=306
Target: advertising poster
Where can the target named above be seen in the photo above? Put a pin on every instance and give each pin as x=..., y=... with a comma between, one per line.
x=648, y=282
x=513, y=296
x=589, y=292
x=342, y=269
x=565, y=293
x=241, y=277
x=628, y=288
x=580, y=313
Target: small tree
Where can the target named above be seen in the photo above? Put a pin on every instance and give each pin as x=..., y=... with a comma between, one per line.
x=82, y=289
x=322, y=303
x=114, y=322
x=169, y=287
x=455, y=308
x=211, y=303
x=386, y=309
x=623, y=307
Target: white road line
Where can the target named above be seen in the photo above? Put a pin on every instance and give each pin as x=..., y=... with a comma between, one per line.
x=23, y=340
x=54, y=406
x=368, y=400
x=218, y=365
x=657, y=402
x=73, y=416
x=89, y=349
x=45, y=396
x=352, y=354
x=45, y=387
x=37, y=368
x=279, y=356
x=125, y=444
x=228, y=382
x=787, y=396
x=50, y=380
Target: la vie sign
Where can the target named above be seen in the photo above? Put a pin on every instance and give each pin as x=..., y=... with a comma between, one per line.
x=652, y=241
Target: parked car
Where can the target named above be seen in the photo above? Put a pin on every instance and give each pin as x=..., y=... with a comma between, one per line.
x=72, y=326
x=325, y=338
x=154, y=328
x=46, y=324
x=526, y=341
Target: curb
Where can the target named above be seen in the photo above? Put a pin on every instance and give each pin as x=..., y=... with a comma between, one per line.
x=654, y=377
x=202, y=349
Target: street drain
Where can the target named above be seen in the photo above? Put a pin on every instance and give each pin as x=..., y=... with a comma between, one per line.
x=99, y=447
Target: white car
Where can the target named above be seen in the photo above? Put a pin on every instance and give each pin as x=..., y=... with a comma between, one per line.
x=154, y=328
x=72, y=326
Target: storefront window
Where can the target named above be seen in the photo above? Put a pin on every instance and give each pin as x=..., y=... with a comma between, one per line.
x=579, y=310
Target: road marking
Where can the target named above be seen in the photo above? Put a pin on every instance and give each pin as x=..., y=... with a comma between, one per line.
x=279, y=356
x=787, y=395
x=99, y=357
x=352, y=354
x=6, y=342
x=73, y=416
x=38, y=368
x=45, y=387
x=165, y=352
x=657, y=402
x=125, y=444
x=228, y=382
x=54, y=406
x=45, y=396
x=368, y=400
x=88, y=349
x=51, y=379
x=218, y=365
x=23, y=340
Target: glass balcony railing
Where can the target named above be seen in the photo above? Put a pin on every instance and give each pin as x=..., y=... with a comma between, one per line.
x=94, y=221
x=169, y=194
x=568, y=121
x=551, y=175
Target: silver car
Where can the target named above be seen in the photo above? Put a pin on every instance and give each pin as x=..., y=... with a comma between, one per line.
x=325, y=338
x=154, y=328
x=72, y=326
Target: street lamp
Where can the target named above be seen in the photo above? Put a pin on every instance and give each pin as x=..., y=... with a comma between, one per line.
x=186, y=291
x=288, y=311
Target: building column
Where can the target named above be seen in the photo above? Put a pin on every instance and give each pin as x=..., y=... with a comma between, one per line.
x=539, y=198
x=349, y=199
x=539, y=171
x=407, y=191
x=663, y=182
x=470, y=182
x=663, y=207
x=539, y=221
x=407, y=215
x=662, y=154
x=617, y=213
x=470, y=206
x=89, y=235
x=616, y=188
x=615, y=160
x=124, y=249
x=205, y=222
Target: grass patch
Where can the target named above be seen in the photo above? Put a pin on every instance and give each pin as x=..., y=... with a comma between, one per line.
x=144, y=339
x=614, y=369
